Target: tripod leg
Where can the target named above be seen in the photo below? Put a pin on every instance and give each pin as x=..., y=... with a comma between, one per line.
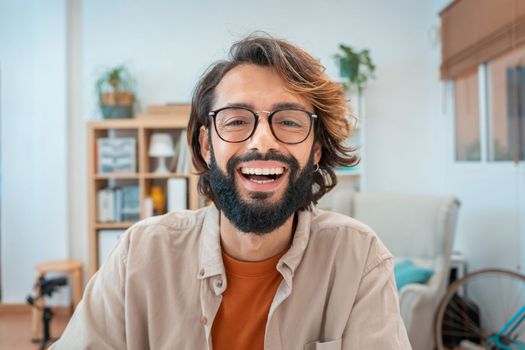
x=36, y=328
x=46, y=320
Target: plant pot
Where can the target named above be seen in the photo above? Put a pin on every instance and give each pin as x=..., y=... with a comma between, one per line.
x=346, y=68
x=117, y=104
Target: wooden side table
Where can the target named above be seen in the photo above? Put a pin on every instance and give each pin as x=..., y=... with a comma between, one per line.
x=75, y=270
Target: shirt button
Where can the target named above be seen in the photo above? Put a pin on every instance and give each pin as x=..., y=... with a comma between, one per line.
x=204, y=320
x=218, y=283
x=201, y=272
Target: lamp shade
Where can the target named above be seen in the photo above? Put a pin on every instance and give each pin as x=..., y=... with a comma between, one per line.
x=161, y=145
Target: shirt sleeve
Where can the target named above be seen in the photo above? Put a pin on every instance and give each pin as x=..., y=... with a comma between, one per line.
x=375, y=321
x=98, y=321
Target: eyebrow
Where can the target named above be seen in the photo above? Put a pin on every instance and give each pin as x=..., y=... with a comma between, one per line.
x=279, y=105
x=288, y=105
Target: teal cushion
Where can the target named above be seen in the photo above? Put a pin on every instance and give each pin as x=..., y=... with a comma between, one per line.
x=406, y=272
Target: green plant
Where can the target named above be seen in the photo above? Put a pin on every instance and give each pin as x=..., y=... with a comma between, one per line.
x=117, y=79
x=115, y=92
x=356, y=66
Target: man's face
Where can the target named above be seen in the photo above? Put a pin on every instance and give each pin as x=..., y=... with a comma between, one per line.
x=261, y=89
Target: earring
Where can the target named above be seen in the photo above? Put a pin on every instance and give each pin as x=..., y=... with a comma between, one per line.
x=316, y=167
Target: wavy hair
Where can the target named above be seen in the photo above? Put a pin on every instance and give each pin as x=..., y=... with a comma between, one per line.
x=303, y=75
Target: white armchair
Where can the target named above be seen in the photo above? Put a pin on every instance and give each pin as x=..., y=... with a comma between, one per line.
x=416, y=227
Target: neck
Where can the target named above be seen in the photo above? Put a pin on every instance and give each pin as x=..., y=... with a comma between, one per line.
x=252, y=247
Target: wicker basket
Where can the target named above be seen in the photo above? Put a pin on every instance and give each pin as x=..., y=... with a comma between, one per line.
x=122, y=98
x=116, y=105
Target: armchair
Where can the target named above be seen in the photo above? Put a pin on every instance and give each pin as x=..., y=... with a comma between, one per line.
x=416, y=227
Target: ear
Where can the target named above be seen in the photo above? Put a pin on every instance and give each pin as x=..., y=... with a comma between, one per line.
x=205, y=144
x=318, y=152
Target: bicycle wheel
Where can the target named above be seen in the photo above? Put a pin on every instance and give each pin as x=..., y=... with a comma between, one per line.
x=476, y=307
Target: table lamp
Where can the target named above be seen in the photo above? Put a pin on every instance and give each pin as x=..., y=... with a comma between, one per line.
x=161, y=147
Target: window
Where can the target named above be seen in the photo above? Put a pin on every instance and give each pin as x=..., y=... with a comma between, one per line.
x=506, y=111
x=466, y=97
x=490, y=110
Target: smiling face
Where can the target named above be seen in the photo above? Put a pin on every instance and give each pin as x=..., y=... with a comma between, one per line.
x=262, y=169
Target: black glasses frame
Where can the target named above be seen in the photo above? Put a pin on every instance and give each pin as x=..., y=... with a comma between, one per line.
x=213, y=115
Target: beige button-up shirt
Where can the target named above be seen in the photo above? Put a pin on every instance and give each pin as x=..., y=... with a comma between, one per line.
x=162, y=285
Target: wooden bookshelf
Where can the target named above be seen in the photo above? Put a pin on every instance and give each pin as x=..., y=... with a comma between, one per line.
x=141, y=129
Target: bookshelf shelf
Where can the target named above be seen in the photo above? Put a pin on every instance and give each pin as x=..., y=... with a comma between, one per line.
x=164, y=176
x=137, y=185
x=135, y=176
x=144, y=121
x=131, y=176
x=349, y=173
x=113, y=225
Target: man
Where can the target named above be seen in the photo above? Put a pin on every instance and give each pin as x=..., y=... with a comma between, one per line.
x=261, y=268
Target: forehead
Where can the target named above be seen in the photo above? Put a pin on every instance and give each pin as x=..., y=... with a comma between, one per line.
x=260, y=87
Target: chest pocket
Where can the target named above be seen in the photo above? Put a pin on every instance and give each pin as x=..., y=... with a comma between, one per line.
x=330, y=345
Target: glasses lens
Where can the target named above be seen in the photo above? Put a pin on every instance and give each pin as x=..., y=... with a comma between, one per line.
x=234, y=124
x=291, y=126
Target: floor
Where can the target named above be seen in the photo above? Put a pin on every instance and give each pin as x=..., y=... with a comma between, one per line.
x=15, y=330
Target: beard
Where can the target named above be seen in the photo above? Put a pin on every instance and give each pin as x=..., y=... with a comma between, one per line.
x=257, y=215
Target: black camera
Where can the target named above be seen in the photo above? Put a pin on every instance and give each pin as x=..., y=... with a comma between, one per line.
x=45, y=287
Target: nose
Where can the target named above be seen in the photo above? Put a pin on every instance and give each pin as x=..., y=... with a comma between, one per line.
x=262, y=139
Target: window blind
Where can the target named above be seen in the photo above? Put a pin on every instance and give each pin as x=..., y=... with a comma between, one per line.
x=475, y=31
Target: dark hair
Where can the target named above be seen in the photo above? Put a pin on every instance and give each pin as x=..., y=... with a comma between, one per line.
x=303, y=75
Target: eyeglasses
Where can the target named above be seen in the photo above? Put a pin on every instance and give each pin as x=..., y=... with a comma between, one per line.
x=237, y=124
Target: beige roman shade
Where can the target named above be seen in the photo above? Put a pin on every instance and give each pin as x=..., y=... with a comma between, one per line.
x=475, y=31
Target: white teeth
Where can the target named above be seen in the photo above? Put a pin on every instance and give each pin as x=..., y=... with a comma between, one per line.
x=262, y=181
x=262, y=171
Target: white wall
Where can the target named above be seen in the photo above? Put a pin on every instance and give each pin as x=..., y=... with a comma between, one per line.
x=33, y=140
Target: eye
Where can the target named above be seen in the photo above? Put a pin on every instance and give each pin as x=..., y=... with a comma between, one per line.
x=291, y=120
x=290, y=123
x=235, y=122
x=234, y=119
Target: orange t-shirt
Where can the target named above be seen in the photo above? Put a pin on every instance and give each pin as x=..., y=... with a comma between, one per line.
x=241, y=320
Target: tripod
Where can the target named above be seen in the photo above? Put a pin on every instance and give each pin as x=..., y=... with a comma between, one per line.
x=45, y=287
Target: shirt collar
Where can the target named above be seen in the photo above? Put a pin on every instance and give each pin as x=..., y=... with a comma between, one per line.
x=210, y=259
x=292, y=258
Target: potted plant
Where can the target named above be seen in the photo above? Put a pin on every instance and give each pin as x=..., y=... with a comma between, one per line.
x=356, y=66
x=115, y=91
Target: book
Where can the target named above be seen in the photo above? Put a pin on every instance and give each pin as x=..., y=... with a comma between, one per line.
x=177, y=194
x=118, y=204
x=117, y=193
x=130, y=208
x=148, y=207
x=116, y=155
x=182, y=162
x=175, y=159
x=107, y=240
x=106, y=205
